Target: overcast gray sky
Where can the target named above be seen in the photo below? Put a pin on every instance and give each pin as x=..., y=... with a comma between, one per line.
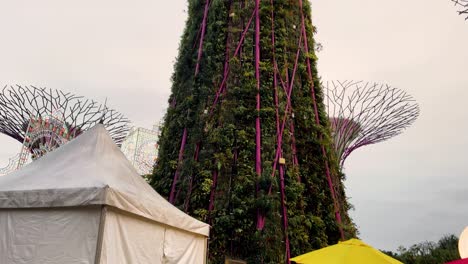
x=409, y=189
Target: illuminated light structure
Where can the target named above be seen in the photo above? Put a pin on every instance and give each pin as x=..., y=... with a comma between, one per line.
x=43, y=119
x=463, y=4
x=141, y=148
x=44, y=135
x=362, y=114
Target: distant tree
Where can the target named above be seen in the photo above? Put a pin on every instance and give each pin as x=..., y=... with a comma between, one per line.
x=445, y=250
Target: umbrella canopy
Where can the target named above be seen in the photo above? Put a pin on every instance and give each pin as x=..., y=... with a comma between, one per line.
x=353, y=251
x=458, y=261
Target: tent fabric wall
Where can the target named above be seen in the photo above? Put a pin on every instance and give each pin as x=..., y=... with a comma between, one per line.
x=128, y=239
x=91, y=170
x=183, y=247
x=49, y=236
x=131, y=239
x=129, y=221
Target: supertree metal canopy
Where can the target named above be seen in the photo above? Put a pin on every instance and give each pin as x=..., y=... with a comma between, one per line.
x=43, y=119
x=366, y=113
x=463, y=4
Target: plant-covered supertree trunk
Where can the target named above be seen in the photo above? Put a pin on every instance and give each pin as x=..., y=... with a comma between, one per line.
x=246, y=145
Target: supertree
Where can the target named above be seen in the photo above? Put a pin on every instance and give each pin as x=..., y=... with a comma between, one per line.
x=43, y=119
x=366, y=113
x=463, y=4
x=246, y=144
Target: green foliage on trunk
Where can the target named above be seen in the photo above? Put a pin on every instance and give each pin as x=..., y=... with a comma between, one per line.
x=226, y=136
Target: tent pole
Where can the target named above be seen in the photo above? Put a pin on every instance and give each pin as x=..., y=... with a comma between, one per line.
x=100, y=234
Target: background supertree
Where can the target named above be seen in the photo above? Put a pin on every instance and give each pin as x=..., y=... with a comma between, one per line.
x=463, y=4
x=366, y=113
x=246, y=144
x=42, y=119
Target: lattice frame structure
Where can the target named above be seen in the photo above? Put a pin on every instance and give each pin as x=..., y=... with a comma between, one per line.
x=463, y=4
x=140, y=147
x=21, y=104
x=363, y=113
x=11, y=166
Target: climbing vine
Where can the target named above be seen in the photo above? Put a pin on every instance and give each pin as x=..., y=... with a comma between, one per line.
x=208, y=144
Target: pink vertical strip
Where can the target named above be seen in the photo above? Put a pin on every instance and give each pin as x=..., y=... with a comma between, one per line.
x=309, y=69
x=177, y=173
x=261, y=218
x=226, y=71
x=317, y=120
x=279, y=136
x=286, y=111
x=335, y=202
x=275, y=72
x=293, y=147
x=278, y=129
x=221, y=89
x=184, y=136
x=285, y=214
x=258, y=133
x=226, y=61
x=202, y=37
x=291, y=129
x=190, y=189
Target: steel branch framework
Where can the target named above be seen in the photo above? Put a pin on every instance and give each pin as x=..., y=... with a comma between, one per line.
x=366, y=113
x=463, y=4
x=18, y=104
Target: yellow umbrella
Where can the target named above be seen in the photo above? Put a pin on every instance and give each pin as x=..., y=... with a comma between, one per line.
x=353, y=251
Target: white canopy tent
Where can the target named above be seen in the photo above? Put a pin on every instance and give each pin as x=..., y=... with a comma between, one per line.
x=85, y=203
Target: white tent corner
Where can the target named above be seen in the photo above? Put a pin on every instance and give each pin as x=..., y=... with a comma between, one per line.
x=85, y=203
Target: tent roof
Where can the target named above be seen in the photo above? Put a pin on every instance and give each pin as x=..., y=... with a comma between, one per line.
x=91, y=170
